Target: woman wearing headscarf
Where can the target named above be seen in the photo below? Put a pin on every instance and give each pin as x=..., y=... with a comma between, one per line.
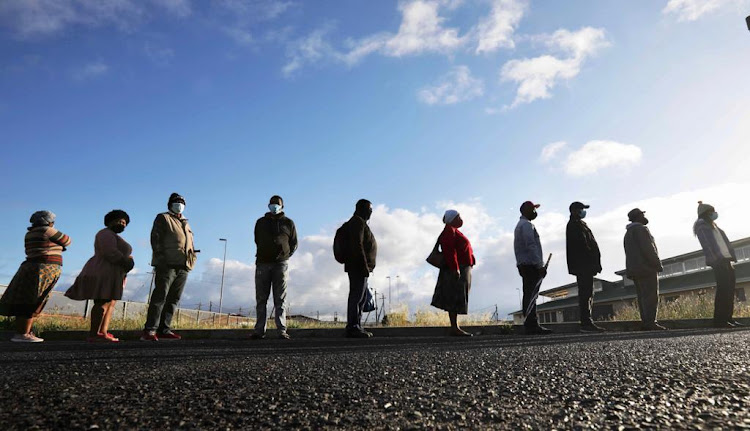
x=29, y=290
x=454, y=280
x=719, y=256
x=103, y=277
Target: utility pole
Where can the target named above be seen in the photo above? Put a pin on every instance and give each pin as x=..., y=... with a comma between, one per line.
x=223, y=265
x=198, y=314
x=210, y=306
x=390, y=309
x=398, y=288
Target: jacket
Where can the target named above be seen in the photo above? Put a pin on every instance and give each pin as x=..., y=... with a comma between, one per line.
x=641, y=255
x=103, y=276
x=581, y=248
x=362, y=249
x=526, y=244
x=172, y=242
x=275, y=238
x=714, y=241
x=457, y=250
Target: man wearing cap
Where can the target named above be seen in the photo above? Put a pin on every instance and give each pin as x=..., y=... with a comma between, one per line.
x=276, y=241
x=530, y=263
x=642, y=265
x=584, y=261
x=173, y=257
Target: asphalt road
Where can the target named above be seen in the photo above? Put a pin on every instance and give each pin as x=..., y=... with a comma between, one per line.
x=676, y=379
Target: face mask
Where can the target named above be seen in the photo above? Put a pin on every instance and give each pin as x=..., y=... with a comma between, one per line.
x=274, y=208
x=645, y=221
x=714, y=216
x=582, y=213
x=533, y=215
x=459, y=223
x=177, y=208
x=118, y=228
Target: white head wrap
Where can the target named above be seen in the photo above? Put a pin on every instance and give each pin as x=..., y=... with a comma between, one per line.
x=449, y=216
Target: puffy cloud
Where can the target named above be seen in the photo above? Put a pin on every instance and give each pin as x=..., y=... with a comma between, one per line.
x=308, y=50
x=691, y=10
x=243, y=15
x=178, y=8
x=537, y=76
x=456, y=86
x=551, y=150
x=422, y=30
x=89, y=71
x=496, y=30
x=596, y=155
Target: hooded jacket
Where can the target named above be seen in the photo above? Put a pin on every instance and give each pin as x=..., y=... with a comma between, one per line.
x=363, y=249
x=582, y=250
x=714, y=241
x=172, y=242
x=275, y=237
x=641, y=255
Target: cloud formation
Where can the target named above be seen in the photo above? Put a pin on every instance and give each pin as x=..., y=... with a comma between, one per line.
x=551, y=150
x=537, y=76
x=496, y=30
x=456, y=86
x=691, y=10
x=597, y=155
x=90, y=70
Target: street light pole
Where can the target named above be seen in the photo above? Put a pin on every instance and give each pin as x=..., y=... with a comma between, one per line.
x=398, y=288
x=390, y=308
x=223, y=265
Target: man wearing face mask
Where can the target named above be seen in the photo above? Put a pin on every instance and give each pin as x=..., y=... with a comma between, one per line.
x=530, y=263
x=360, y=261
x=584, y=261
x=642, y=265
x=276, y=241
x=173, y=257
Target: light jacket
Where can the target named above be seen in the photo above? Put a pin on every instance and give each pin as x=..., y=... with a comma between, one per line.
x=172, y=242
x=526, y=244
x=714, y=241
x=641, y=255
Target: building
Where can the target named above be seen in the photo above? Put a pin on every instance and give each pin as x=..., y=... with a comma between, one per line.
x=682, y=275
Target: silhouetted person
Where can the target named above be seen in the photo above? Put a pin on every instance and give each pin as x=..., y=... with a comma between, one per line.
x=584, y=261
x=276, y=241
x=642, y=265
x=173, y=258
x=361, y=251
x=454, y=281
x=530, y=263
x=719, y=256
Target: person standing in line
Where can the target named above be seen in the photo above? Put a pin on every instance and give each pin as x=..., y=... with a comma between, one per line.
x=173, y=258
x=276, y=241
x=454, y=280
x=642, y=265
x=361, y=252
x=530, y=263
x=29, y=290
x=719, y=256
x=584, y=261
x=103, y=277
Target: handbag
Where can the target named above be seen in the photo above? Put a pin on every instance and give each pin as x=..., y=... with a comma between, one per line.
x=369, y=304
x=436, y=256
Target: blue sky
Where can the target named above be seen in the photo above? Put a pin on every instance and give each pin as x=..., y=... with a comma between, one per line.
x=415, y=105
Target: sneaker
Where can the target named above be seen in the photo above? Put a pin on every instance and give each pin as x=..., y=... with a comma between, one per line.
x=354, y=333
x=590, y=327
x=149, y=336
x=284, y=336
x=257, y=336
x=26, y=338
x=537, y=330
x=723, y=325
x=736, y=323
x=169, y=336
x=654, y=327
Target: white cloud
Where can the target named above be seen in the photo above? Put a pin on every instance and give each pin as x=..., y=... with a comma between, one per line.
x=90, y=70
x=456, y=86
x=596, y=155
x=307, y=50
x=496, y=30
x=691, y=10
x=422, y=30
x=244, y=15
x=550, y=151
x=537, y=76
x=178, y=8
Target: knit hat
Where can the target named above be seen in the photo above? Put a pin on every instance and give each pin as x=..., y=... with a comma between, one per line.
x=175, y=197
x=703, y=208
x=42, y=218
x=449, y=216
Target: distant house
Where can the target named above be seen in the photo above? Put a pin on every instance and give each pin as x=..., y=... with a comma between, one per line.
x=303, y=319
x=682, y=275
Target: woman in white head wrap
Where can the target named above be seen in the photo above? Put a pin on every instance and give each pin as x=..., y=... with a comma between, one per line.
x=454, y=281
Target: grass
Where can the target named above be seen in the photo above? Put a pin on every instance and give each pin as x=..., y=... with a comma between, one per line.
x=694, y=306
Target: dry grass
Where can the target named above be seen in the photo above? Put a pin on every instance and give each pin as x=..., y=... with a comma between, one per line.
x=696, y=306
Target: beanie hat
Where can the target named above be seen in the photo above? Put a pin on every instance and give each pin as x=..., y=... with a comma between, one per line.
x=449, y=216
x=175, y=197
x=276, y=197
x=703, y=208
x=42, y=218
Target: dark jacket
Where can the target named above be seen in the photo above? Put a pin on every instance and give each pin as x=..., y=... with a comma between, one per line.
x=582, y=250
x=275, y=237
x=641, y=255
x=362, y=248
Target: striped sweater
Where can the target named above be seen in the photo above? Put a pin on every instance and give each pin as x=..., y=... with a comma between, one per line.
x=45, y=244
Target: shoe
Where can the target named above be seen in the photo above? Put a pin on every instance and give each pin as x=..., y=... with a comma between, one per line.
x=369, y=334
x=149, y=336
x=460, y=333
x=284, y=336
x=102, y=338
x=358, y=334
x=26, y=338
x=723, y=325
x=257, y=336
x=538, y=330
x=654, y=327
x=736, y=323
x=169, y=336
x=590, y=327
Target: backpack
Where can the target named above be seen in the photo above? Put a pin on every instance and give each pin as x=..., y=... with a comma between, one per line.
x=340, y=241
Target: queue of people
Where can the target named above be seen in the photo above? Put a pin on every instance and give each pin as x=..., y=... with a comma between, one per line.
x=104, y=276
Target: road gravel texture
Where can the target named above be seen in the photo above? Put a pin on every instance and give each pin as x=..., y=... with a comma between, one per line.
x=671, y=380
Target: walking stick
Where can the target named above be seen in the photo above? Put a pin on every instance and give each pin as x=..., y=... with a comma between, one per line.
x=536, y=290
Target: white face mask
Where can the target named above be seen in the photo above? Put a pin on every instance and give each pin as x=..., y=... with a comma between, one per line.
x=274, y=208
x=177, y=207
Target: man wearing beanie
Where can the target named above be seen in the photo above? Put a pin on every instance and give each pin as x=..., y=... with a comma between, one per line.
x=276, y=241
x=173, y=257
x=642, y=265
x=584, y=261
